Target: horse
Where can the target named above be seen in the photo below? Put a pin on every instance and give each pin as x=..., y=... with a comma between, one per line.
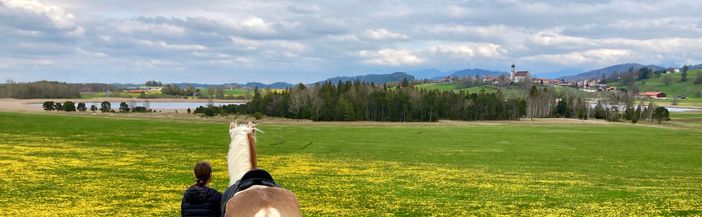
x=252, y=191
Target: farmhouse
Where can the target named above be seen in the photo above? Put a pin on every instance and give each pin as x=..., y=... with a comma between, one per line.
x=136, y=91
x=652, y=95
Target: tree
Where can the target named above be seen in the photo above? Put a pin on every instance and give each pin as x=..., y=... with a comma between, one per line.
x=698, y=80
x=48, y=105
x=81, y=107
x=651, y=110
x=644, y=73
x=667, y=79
x=562, y=110
x=600, y=112
x=661, y=114
x=683, y=74
x=613, y=114
x=629, y=112
x=188, y=110
x=220, y=93
x=210, y=92
x=405, y=82
x=153, y=83
x=69, y=106
x=93, y=108
x=105, y=106
x=123, y=107
x=637, y=115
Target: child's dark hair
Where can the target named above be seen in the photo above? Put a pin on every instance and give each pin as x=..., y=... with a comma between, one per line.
x=203, y=173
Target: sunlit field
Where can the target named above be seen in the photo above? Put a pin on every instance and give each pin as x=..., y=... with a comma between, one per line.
x=67, y=165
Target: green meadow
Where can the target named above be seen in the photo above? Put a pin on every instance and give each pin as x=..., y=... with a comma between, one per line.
x=73, y=165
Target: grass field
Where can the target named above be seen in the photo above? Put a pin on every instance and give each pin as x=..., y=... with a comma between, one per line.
x=65, y=165
x=675, y=88
x=487, y=88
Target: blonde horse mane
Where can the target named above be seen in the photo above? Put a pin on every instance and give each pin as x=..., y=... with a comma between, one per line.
x=257, y=200
x=241, y=156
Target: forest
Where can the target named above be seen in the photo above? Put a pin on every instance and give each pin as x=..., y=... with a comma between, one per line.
x=360, y=101
x=48, y=89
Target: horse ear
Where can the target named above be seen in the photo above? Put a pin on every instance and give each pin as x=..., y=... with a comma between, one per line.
x=251, y=124
x=232, y=125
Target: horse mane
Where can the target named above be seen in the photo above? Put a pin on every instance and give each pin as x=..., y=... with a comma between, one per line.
x=242, y=150
x=256, y=200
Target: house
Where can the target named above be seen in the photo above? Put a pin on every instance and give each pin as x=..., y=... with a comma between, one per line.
x=672, y=70
x=652, y=95
x=446, y=79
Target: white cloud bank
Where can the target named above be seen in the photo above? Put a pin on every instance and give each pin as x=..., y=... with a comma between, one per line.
x=216, y=41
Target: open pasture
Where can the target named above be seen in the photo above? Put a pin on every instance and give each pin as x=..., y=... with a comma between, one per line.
x=65, y=165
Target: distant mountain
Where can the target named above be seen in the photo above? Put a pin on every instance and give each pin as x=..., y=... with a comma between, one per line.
x=696, y=66
x=280, y=85
x=428, y=73
x=474, y=72
x=375, y=78
x=595, y=74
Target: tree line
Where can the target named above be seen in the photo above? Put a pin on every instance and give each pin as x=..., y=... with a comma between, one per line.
x=613, y=107
x=39, y=89
x=105, y=106
x=360, y=101
x=49, y=89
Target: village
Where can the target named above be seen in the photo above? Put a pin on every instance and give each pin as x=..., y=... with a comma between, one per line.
x=527, y=79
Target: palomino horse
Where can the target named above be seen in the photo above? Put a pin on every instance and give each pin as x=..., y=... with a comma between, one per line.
x=251, y=191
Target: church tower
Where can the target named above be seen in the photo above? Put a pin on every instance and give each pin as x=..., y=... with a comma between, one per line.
x=511, y=77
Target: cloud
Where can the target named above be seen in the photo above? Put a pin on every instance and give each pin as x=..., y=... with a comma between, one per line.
x=82, y=40
x=468, y=51
x=392, y=57
x=595, y=56
x=383, y=34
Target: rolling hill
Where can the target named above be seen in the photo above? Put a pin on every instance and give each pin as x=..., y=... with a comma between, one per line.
x=474, y=72
x=595, y=74
x=375, y=78
x=674, y=88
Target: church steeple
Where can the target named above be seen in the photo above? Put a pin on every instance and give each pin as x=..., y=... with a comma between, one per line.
x=511, y=77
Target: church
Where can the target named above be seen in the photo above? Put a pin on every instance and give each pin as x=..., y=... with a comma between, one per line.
x=518, y=76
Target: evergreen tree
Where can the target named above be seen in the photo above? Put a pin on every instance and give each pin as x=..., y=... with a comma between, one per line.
x=637, y=115
x=48, y=105
x=105, y=106
x=600, y=112
x=69, y=106
x=629, y=112
x=123, y=107
x=661, y=114
x=81, y=107
x=683, y=74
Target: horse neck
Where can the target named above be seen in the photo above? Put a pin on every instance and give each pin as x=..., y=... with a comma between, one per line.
x=240, y=158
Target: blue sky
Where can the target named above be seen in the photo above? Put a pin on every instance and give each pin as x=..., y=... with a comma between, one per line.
x=302, y=41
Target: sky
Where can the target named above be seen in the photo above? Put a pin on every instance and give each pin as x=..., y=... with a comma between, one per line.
x=216, y=41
